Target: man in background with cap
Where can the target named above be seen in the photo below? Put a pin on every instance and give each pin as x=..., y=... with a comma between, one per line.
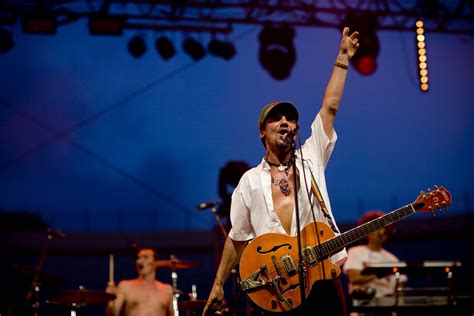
x=361, y=256
x=264, y=200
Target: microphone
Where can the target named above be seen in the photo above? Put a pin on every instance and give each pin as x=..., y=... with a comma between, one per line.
x=205, y=205
x=290, y=136
x=56, y=233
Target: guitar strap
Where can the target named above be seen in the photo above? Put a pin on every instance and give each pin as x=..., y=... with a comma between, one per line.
x=319, y=198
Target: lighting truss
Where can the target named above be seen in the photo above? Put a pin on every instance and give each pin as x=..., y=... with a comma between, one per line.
x=454, y=17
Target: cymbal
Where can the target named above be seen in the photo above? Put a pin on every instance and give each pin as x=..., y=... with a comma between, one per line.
x=31, y=272
x=175, y=264
x=192, y=305
x=81, y=297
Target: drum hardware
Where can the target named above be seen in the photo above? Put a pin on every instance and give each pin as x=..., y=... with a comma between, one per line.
x=77, y=299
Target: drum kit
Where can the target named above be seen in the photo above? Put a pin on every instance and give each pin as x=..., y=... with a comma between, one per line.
x=81, y=298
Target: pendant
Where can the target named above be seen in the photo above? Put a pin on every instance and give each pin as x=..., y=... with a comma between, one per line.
x=284, y=187
x=282, y=168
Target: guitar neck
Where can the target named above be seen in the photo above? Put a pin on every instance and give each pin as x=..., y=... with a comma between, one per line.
x=335, y=244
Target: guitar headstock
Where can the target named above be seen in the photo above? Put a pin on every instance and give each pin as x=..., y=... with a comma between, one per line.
x=433, y=200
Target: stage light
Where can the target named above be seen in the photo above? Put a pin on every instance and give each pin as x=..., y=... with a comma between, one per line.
x=221, y=49
x=422, y=58
x=365, y=59
x=137, y=46
x=101, y=24
x=193, y=48
x=6, y=41
x=277, y=53
x=165, y=47
x=40, y=22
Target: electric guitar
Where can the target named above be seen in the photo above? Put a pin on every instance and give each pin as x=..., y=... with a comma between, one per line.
x=269, y=263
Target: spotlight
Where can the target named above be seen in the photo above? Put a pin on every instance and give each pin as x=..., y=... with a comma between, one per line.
x=101, y=24
x=365, y=60
x=6, y=41
x=222, y=49
x=277, y=53
x=137, y=46
x=40, y=22
x=165, y=47
x=193, y=48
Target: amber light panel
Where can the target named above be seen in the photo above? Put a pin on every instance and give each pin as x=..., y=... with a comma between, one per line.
x=422, y=56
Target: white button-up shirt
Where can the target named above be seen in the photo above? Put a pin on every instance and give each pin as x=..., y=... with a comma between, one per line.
x=252, y=213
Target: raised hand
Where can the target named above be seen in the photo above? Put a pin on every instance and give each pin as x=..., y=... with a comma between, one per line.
x=349, y=43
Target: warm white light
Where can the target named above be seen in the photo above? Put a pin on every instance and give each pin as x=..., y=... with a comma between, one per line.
x=424, y=86
x=422, y=51
x=422, y=65
x=420, y=31
x=420, y=38
x=419, y=24
x=422, y=58
x=421, y=44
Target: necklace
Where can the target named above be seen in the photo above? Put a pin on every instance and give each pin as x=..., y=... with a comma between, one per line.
x=281, y=167
x=281, y=179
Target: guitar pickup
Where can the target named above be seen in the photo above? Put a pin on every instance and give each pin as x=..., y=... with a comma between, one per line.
x=289, y=265
x=309, y=255
x=278, y=270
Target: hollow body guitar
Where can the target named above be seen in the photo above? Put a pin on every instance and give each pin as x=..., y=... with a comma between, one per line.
x=269, y=264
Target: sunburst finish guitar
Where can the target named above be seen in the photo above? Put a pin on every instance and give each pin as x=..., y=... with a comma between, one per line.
x=269, y=263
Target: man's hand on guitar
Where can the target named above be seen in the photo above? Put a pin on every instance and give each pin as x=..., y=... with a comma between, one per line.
x=215, y=301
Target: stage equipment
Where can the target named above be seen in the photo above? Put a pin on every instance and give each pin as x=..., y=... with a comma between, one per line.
x=365, y=59
x=411, y=298
x=40, y=22
x=103, y=24
x=193, y=48
x=277, y=53
x=137, y=46
x=422, y=56
x=165, y=47
x=174, y=263
x=223, y=49
x=77, y=299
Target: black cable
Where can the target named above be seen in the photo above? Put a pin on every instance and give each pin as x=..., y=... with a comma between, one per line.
x=309, y=199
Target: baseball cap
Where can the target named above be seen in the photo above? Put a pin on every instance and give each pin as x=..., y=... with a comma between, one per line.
x=284, y=106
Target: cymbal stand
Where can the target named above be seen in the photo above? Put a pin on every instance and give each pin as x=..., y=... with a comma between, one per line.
x=33, y=295
x=176, y=292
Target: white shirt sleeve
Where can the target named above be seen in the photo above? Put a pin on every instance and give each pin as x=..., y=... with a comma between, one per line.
x=242, y=229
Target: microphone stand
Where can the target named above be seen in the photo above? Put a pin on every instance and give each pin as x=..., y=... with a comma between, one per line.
x=301, y=267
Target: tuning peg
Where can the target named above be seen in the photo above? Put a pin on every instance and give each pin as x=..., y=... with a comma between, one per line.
x=429, y=190
x=431, y=210
x=422, y=192
x=435, y=186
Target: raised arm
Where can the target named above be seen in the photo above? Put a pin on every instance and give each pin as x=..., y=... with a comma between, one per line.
x=114, y=307
x=335, y=88
x=230, y=257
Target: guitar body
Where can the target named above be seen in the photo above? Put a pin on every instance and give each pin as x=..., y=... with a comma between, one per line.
x=274, y=253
